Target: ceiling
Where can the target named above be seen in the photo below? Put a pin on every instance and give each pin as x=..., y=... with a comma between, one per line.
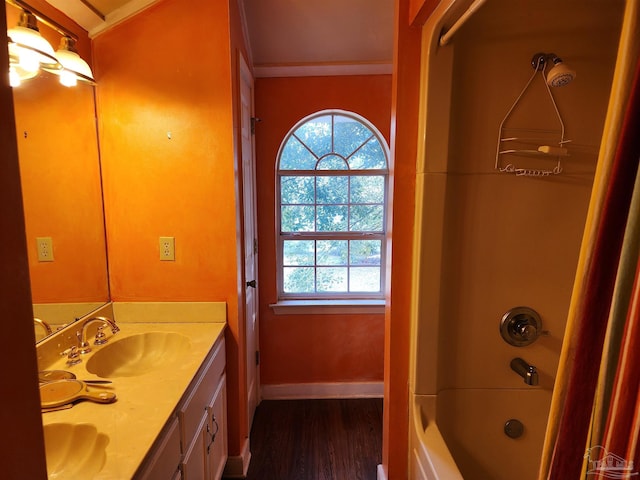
x=334, y=36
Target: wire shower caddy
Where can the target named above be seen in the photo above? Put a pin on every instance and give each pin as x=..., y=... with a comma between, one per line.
x=523, y=142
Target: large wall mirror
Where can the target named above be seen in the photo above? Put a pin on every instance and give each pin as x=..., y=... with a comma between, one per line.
x=62, y=195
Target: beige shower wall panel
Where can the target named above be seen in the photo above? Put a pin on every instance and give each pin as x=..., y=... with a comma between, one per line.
x=508, y=242
x=431, y=193
x=472, y=423
x=492, y=66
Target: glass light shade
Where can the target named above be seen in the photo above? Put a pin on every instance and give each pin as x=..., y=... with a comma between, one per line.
x=72, y=62
x=27, y=45
x=74, y=68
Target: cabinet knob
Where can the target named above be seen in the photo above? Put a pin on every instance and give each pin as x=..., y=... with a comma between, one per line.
x=252, y=284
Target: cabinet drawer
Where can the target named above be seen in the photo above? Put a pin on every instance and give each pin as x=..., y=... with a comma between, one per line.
x=165, y=459
x=194, y=406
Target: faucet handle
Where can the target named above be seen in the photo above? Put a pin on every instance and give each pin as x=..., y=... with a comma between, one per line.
x=526, y=330
x=101, y=338
x=521, y=326
x=73, y=357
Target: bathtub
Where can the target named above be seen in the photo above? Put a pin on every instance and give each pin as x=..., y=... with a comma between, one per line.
x=459, y=434
x=430, y=458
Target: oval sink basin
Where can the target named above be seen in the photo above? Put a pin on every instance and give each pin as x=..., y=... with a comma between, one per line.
x=138, y=354
x=74, y=450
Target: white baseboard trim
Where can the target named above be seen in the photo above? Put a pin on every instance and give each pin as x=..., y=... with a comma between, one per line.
x=322, y=390
x=237, y=465
x=381, y=474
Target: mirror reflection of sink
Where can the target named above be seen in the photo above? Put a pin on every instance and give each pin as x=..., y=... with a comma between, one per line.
x=138, y=354
x=74, y=450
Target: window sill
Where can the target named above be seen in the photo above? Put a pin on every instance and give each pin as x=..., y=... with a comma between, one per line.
x=327, y=307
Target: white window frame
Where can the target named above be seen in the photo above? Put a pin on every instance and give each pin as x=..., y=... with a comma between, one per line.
x=362, y=300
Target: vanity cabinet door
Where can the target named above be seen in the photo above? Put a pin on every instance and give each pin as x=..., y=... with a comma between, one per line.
x=217, y=420
x=165, y=458
x=194, y=464
x=202, y=390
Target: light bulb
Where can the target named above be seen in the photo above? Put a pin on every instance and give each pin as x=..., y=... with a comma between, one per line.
x=14, y=78
x=68, y=79
x=28, y=60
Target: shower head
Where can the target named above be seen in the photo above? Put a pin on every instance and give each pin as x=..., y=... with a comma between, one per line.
x=560, y=74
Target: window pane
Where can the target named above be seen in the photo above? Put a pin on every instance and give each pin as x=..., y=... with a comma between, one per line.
x=332, y=190
x=332, y=252
x=332, y=279
x=348, y=134
x=298, y=252
x=332, y=162
x=329, y=212
x=371, y=156
x=295, y=156
x=369, y=189
x=364, y=252
x=316, y=134
x=364, y=279
x=298, y=280
x=297, y=218
x=331, y=218
x=366, y=218
x=297, y=190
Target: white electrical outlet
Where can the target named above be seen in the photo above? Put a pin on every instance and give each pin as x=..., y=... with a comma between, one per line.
x=167, y=248
x=45, y=249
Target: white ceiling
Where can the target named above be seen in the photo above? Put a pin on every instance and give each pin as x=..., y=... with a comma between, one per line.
x=295, y=35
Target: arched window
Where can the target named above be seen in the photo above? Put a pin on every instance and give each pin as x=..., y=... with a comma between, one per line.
x=332, y=183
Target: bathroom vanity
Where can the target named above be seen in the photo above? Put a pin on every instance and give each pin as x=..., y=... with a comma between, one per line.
x=169, y=417
x=193, y=443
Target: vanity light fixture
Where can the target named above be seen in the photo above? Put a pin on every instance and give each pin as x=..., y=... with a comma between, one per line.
x=74, y=68
x=29, y=51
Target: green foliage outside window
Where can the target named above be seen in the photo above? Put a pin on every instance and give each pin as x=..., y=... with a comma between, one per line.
x=332, y=185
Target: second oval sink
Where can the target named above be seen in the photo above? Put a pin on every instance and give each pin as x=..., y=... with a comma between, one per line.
x=138, y=354
x=74, y=450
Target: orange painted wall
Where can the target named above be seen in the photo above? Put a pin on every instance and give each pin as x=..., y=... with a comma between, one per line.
x=167, y=152
x=166, y=130
x=311, y=348
x=404, y=134
x=419, y=11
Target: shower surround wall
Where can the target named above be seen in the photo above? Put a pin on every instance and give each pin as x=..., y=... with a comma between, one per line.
x=491, y=241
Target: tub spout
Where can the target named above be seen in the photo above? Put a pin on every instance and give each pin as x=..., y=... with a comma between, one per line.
x=526, y=371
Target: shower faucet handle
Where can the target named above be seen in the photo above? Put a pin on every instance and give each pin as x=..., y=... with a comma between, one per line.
x=521, y=326
x=526, y=330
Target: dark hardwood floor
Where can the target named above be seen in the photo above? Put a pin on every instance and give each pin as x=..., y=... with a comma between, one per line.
x=316, y=440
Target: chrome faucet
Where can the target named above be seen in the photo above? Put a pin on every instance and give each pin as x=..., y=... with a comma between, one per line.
x=526, y=371
x=43, y=324
x=83, y=345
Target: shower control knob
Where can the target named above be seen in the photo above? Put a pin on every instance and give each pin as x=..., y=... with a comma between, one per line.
x=527, y=331
x=520, y=326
